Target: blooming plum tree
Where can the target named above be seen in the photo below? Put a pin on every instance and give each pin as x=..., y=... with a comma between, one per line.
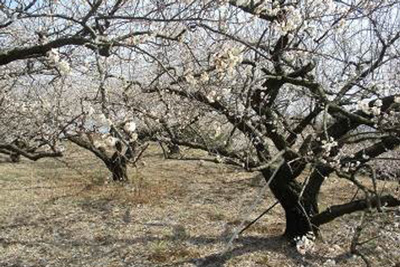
x=302, y=89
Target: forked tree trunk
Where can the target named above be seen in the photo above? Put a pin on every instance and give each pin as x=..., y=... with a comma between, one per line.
x=298, y=210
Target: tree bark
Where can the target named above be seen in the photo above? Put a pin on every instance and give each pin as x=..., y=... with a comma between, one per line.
x=118, y=167
x=119, y=171
x=299, y=209
x=174, y=151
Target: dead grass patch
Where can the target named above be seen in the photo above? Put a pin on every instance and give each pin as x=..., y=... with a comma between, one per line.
x=172, y=213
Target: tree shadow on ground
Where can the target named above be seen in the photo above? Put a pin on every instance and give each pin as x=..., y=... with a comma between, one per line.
x=251, y=244
x=118, y=248
x=241, y=246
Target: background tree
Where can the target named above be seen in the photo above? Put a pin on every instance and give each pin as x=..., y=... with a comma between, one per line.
x=63, y=43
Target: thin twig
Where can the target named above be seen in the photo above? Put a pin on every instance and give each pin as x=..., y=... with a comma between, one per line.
x=236, y=233
x=259, y=217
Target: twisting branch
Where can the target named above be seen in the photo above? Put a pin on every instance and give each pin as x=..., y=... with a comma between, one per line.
x=336, y=211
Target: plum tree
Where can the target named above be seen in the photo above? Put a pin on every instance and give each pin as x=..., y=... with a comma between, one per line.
x=300, y=88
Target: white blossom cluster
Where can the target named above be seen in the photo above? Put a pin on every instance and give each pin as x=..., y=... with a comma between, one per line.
x=375, y=110
x=305, y=243
x=62, y=65
x=327, y=146
x=320, y=7
x=228, y=59
x=350, y=166
x=130, y=128
x=329, y=263
x=137, y=39
x=28, y=119
x=99, y=125
x=213, y=94
x=292, y=21
x=189, y=78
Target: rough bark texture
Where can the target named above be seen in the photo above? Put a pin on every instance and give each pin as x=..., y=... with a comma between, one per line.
x=336, y=211
x=118, y=170
x=298, y=208
x=118, y=164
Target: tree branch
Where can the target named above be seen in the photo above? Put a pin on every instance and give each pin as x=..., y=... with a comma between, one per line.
x=336, y=211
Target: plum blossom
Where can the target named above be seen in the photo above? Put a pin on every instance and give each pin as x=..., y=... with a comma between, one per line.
x=376, y=111
x=363, y=106
x=190, y=78
x=204, y=77
x=228, y=59
x=134, y=137
x=97, y=144
x=64, y=67
x=329, y=263
x=328, y=145
x=212, y=96
x=53, y=56
x=378, y=103
x=292, y=21
x=130, y=127
x=110, y=141
x=304, y=244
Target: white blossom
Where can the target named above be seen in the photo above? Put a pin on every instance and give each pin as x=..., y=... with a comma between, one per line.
x=53, y=56
x=376, y=111
x=110, y=141
x=190, y=79
x=363, y=106
x=64, y=67
x=98, y=144
x=228, y=59
x=329, y=263
x=212, y=96
x=305, y=244
x=204, y=77
x=134, y=137
x=130, y=127
x=378, y=103
x=328, y=145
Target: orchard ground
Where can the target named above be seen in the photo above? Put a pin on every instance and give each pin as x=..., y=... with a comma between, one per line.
x=172, y=213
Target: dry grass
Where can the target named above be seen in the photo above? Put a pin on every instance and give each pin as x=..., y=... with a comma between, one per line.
x=173, y=213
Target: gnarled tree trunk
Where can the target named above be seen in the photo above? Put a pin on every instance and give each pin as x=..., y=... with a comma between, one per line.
x=118, y=167
x=299, y=207
x=119, y=172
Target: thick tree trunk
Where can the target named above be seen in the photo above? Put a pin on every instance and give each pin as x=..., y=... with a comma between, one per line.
x=298, y=209
x=174, y=152
x=298, y=222
x=118, y=164
x=119, y=171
